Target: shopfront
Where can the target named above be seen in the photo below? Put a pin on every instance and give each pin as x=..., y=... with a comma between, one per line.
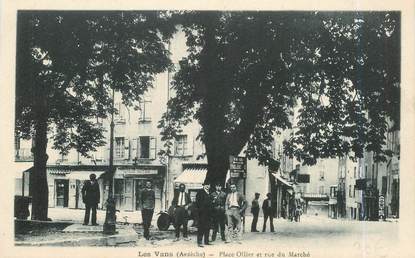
x=129, y=181
x=65, y=184
x=76, y=182
x=283, y=195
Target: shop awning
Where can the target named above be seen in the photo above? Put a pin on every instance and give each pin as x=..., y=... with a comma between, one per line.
x=192, y=177
x=83, y=175
x=282, y=180
x=19, y=167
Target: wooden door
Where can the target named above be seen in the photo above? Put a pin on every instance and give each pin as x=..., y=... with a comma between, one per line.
x=119, y=193
x=128, y=194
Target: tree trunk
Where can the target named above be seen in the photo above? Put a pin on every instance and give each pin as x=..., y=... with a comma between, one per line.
x=218, y=165
x=40, y=193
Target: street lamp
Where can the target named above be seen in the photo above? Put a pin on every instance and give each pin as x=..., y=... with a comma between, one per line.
x=110, y=218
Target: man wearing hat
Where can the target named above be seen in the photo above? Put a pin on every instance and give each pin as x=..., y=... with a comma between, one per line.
x=268, y=213
x=219, y=216
x=147, y=200
x=181, y=202
x=90, y=196
x=204, y=209
x=255, y=212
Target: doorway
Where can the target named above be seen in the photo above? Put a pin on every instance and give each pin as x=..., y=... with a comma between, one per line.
x=123, y=194
x=62, y=192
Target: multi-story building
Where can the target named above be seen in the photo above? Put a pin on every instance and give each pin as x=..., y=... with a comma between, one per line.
x=316, y=193
x=388, y=184
x=348, y=200
x=368, y=189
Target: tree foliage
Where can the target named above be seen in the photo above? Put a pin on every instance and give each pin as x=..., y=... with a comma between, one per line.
x=247, y=72
x=78, y=58
x=68, y=64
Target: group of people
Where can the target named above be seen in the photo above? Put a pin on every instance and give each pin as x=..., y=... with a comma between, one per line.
x=217, y=210
x=214, y=209
x=294, y=210
x=267, y=210
x=91, y=196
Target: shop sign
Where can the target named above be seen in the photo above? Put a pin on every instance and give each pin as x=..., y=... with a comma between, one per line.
x=137, y=172
x=237, y=167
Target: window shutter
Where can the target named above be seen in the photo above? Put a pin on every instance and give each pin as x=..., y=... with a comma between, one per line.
x=173, y=147
x=138, y=148
x=190, y=145
x=121, y=110
x=153, y=148
x=133, y=148
x=127, y=148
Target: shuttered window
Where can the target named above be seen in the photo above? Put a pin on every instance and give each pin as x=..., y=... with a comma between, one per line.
x=119, y=147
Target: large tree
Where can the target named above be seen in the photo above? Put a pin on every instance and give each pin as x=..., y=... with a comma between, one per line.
x=68, y=64
x=247, y=72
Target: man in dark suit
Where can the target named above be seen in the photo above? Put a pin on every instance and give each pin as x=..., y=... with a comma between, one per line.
x=235, y=209
x=204, y=209
x=181, y=201
x=90, y=196
x=268, y=213
x=255, y=212
x=147, y=208
x=218, y=213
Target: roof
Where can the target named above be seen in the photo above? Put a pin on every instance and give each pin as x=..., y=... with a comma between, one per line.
x=19, y=167
x=192, y=177
x=22, y=166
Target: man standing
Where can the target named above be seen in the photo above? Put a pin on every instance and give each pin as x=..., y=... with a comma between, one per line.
x=255, y=212
x=235, y=207
x=219, y=217
x=90, y=196
x=181, y=203
x=268, y=213
x=204, y=208
x=147, y=208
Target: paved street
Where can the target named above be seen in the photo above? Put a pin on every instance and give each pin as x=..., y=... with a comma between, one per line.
x=312, y=232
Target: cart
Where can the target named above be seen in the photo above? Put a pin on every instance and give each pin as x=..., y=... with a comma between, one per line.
x=166, y=218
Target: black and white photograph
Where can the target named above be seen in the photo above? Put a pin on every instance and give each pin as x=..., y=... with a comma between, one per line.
x=209, y=133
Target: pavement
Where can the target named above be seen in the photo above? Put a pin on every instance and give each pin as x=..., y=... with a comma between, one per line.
x=358, y=237
x=77, y=215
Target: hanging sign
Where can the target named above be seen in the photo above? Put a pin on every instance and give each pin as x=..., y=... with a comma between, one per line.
x=237, y=167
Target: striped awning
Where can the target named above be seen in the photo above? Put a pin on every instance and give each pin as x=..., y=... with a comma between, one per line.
x=192, y=177
x=282, y=180
x=58, y=171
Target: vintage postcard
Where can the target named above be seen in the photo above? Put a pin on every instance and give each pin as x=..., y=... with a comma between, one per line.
x=218, y=129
